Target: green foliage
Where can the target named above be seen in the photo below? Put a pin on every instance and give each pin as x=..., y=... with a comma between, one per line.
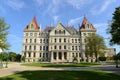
x=3, y=35
x=23, y=58
x=114, y=28
x=3, y=56
x=95, y=45
x=62, y=75
x=102, y=58
x=18, y=57
x=12, y=56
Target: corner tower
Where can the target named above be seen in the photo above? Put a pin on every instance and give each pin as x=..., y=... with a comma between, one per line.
x=85, y=29
x=30, y=41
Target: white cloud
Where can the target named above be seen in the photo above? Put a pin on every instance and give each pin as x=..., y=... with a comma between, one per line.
x=95, y=10
x=79, y=3
x=105, y=5
x=15, y=4
x=75, y=20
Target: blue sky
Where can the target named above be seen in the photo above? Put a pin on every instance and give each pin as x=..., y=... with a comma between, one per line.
x=18, y=13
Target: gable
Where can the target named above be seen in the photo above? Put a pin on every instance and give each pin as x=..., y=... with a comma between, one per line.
x=59, y=30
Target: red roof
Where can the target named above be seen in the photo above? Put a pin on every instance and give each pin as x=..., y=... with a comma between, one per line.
x=35, y=24
x=84, y=22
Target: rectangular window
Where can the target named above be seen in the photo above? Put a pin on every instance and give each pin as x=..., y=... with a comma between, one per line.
x=26, y=40
x=54, y=47
x=75, y=40
x=34, y=40
x=76, y=47
x=29, y=54
x=64, y=46
x=64, y=39
x=43, y=47
x=34, y=47
x=40, y=40
x=40, y=54
x=33, y=54
x=30, y=40
x=25, y=47
x=59, y=40
x=47, y=40
x=59, y=47
x=72, y=47
x=43, y=40
x=40, y=47
x=72, y=40
x=47, y=48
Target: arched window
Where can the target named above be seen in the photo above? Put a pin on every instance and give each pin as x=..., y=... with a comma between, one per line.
x=64, y=31
x=59, y=31
x=25, y=47
x=55, y=32
x=31, y=26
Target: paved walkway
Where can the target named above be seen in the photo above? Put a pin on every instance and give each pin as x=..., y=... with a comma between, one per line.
x=17, y=67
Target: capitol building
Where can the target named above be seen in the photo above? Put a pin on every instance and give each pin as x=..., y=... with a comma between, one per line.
x=56, y=43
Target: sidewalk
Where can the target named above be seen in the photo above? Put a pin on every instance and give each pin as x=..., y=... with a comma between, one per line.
x=17, y=67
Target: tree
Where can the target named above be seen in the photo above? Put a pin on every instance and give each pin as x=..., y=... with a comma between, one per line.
x=3, y=56
x=114, y=30
x=23, y=58
x=18, y=57
x=12, y=56
x=95, y=45
x=3, y=35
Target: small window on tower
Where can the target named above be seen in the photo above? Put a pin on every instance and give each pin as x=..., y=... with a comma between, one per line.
x=31, y=26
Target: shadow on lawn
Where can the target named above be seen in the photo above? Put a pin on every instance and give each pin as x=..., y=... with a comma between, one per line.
x=62, y=75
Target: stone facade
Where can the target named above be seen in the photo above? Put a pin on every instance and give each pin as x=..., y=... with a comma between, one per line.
x=56, y=43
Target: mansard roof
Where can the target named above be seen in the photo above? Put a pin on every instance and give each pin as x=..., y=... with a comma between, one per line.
x=49, y=28
x=70, y=29
x=85, y=21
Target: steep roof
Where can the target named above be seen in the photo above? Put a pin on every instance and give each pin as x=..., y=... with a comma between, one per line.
x=34, y=21
x=36, y=24
x=85, y=21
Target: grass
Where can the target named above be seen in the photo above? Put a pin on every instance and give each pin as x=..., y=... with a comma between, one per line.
x=62, y=75
x=60, y=65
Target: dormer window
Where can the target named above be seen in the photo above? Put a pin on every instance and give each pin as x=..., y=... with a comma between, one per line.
x=31, y=26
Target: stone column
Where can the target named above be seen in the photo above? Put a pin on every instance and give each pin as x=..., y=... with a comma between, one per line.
x=51, y=56
x=57, y=54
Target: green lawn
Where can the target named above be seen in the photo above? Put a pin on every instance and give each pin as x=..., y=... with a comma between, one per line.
x=60, y=65
x=62, y=75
